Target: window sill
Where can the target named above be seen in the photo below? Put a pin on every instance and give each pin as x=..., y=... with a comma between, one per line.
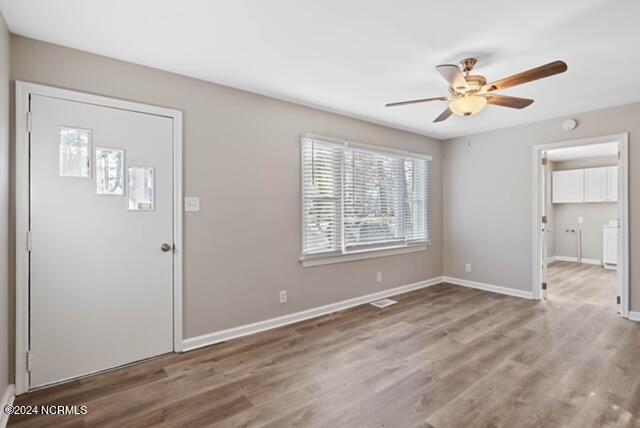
x=319, y=260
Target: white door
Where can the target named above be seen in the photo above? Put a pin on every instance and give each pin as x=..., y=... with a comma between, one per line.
x=595, y=184
x=101, y=286
x=544, y=224
x=612, y=183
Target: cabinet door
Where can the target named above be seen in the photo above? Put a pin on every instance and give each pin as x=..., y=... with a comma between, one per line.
x=610, y=246
x=595, y=184
x=612, y=183
x=568, y=186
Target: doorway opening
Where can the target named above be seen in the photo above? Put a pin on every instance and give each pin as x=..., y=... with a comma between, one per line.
x=581, y=222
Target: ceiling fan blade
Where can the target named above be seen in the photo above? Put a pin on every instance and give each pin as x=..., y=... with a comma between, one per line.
x=444, y=115
x=423, y=100
x=505, y=101
x=452, y=74
x=541, y=72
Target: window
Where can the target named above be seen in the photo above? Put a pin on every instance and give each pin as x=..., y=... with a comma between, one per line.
x=356, y=199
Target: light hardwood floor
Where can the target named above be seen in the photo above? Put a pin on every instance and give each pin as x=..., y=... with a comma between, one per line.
x=574, y=282
x=445, y=356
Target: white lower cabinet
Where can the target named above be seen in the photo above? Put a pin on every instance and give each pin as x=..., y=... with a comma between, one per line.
x=610, y=245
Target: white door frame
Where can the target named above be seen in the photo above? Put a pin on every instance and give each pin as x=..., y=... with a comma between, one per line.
x=623, y=211
x=23, y=92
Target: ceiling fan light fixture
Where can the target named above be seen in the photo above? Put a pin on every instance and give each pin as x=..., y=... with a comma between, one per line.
x=469, y=93
x=468, y=105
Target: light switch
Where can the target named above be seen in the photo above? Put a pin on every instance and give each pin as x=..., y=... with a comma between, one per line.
x=580, y=219
x=191, y=203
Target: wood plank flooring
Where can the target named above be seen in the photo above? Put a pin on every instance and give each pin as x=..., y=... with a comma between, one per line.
x=445, y=356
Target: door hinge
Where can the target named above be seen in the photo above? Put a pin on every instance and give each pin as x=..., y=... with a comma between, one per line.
x=544, y=161
x=28, y=240
x=619, y=155
x=617, y=300
x=29, y=360
x=544, y=285
x=28, y=121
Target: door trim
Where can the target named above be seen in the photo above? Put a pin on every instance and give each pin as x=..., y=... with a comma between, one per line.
x=623, y=211
x=23, y=91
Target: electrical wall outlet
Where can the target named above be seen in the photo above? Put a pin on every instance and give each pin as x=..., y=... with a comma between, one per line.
x=379, y=277
x=283, y=296
x=467, y=267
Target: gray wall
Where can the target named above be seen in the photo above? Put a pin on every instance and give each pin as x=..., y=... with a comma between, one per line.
x=595, y=216
x=488, y=205
x=593, y=162
x=242, y=159
x=4, y=208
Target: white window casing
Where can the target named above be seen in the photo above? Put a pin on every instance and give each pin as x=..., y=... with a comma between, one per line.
x=361, y=201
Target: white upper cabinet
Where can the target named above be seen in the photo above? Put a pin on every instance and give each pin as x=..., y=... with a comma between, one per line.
x=595, y=184
x=568, y=186
x=585, y=185
x=612, y=183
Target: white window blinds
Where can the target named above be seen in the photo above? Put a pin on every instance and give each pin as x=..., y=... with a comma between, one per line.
x=321, y=196
x=356, y=199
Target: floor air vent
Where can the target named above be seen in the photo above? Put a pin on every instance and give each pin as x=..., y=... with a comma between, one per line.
x=383, y=303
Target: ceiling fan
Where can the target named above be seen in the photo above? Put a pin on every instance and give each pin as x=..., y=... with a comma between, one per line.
x=470, y=94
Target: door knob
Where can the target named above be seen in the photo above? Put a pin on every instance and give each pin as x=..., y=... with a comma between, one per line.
x=165, y=247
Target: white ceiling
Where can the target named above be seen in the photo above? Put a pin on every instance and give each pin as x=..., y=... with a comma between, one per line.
x=583, y=152
x=354, y=56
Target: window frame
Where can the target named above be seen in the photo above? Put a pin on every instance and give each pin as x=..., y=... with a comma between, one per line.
x=339, y=256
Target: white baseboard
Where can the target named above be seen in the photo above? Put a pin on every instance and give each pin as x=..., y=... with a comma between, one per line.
x=232, y=333
x=575, y=260
x=7, y=400
x=634, y=316
x=489, y=287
